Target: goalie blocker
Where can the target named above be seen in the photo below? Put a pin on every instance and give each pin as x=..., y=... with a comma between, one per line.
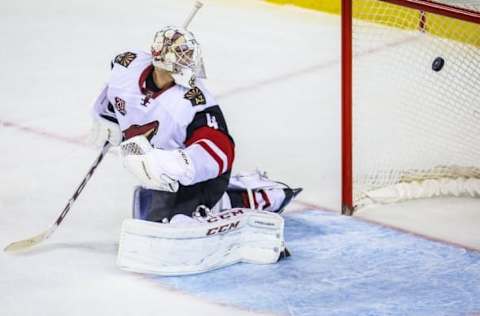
x=203, y=243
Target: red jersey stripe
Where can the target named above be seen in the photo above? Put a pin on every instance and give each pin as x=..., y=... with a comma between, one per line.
x=214, y=155
x=221, y=140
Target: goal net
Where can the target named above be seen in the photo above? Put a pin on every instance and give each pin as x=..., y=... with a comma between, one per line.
x=411, y=100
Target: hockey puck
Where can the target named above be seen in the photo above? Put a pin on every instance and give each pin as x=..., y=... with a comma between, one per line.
x=438, y=63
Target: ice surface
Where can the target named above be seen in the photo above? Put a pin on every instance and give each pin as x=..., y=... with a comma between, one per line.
x=55, y=57
x=343, y=266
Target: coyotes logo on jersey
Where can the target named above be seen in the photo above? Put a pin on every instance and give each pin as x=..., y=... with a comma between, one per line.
x=148, y=130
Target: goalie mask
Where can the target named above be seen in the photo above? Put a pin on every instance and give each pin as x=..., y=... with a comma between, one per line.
x=177, y=51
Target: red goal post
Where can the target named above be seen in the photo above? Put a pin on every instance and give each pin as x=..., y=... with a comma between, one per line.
x=417, y=29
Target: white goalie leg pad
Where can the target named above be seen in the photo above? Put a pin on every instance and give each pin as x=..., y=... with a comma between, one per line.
x=236, y=235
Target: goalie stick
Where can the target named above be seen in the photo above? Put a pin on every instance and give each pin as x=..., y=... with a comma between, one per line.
x=189, y=19
x=30, y=242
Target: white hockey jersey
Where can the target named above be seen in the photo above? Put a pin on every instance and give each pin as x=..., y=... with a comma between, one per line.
x=172, y=118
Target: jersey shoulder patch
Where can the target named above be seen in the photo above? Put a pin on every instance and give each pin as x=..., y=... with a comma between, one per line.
x=125, y=59
x=195, y=96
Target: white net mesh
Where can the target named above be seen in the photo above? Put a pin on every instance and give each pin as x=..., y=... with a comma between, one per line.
x=473, y=5
x=412, y=122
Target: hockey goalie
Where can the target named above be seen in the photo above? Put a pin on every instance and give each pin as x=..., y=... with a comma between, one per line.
x=189, y=215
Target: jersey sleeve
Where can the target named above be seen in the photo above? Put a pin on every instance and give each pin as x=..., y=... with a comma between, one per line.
x=103, y=108
x=209, y=144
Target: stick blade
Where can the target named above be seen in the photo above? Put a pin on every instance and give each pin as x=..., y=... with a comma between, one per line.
x=26, y=243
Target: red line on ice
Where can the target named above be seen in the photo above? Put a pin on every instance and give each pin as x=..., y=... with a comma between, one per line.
x=39, y=132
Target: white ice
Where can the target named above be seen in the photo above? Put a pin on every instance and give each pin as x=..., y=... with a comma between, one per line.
x=275, y=70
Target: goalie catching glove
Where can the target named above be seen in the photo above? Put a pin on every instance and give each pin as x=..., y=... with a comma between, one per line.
x=104, y=128
x=156, y=168
x=105, y=125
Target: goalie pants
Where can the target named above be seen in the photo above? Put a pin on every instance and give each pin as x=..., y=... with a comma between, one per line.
x=161, y=206
x=216, y=194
